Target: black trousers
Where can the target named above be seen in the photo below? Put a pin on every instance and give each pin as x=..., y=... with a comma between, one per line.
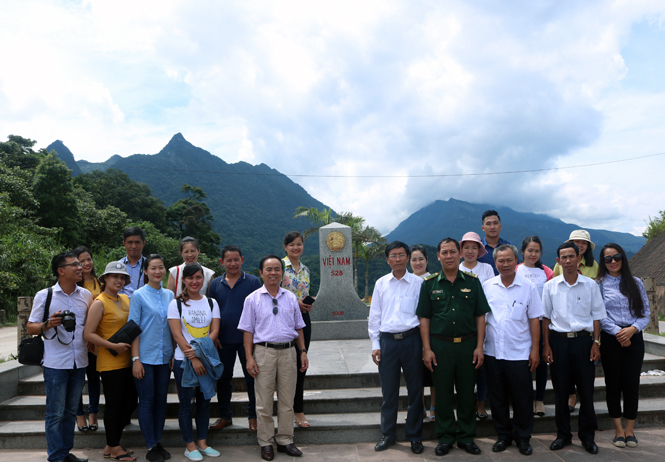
x=572, y=366
x=300, y=381
x=622, y=366
x=121, y=400
x=396, y=356
x=509, y=382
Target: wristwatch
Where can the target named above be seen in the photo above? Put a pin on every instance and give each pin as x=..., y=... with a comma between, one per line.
x=597, y=341
x=135, y=358
x=303, y=350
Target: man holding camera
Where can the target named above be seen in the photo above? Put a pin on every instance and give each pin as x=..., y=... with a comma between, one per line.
x=65, y=352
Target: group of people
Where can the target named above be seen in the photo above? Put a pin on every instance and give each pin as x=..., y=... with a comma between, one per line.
x=489, y=322
x=194, y=328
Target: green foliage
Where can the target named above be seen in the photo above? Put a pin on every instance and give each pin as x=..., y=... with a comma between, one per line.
x=18, y=152
x=25, y=255
x=53, y=188
x=99, y=227
x=191, y=216
x=655, y=226
x=114, y=188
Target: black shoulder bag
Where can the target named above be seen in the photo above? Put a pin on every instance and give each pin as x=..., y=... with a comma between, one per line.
x=31, y=349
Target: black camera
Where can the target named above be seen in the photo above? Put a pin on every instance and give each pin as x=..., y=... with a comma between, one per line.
x=68, y=320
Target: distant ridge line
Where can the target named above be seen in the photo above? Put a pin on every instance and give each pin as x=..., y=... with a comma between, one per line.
x=112, y=165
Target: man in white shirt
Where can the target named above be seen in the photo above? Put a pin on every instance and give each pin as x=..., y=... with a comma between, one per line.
x=65, y=354
x=571, y=330
x=394, y=330
x=511, y=350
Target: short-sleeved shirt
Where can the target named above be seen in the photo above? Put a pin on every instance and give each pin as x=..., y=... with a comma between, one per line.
x=258, y=317
x=452, y=307
x=57, y=355
x=231, y=302
x=176, y=274
x=195, y=321
x=573, y=308
x=135, y=274
x=296, y=283
x=148, y=308
x=484, y=271
x=508, y=333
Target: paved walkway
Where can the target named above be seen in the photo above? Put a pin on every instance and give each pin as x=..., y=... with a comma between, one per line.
x=651, y=448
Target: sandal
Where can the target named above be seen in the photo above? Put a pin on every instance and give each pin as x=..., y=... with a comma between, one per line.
x=302, y=423
x=481, y=415
x=432, y=417
x=93, y=427
x=127, y=451
x=128, y=457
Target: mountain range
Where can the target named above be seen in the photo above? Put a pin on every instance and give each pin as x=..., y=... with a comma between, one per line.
x=253, y=206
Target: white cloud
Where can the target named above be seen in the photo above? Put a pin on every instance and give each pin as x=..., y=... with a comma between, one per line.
x=369, y=88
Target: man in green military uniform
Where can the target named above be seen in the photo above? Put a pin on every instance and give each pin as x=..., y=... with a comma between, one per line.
x=452, y=309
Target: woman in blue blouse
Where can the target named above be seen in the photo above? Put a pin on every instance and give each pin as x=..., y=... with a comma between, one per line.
x=151, y=354
x=622, y=344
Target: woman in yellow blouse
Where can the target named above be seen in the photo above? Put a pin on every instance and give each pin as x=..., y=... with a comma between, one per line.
x=91, y=283
x=296, y=280
x=106, y=316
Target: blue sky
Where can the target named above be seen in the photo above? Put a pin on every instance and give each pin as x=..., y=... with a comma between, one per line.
x=361, y=88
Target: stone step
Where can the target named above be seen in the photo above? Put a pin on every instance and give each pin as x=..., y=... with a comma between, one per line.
x=325, y=429
x=319, y=378
x=335, y=401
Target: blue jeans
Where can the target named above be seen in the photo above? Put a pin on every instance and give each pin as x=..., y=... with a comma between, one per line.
x=94, y=387
x=187, y=397
x=227, y=355
x=152, y=391
x=63, y=391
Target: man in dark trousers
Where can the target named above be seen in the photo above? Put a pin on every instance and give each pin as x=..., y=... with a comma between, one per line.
x=573, y=308
x=512, y=350
x=452, y=309
x=396, y=346
x=230, y=291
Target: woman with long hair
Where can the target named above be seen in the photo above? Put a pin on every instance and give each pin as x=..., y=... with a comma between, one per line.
x=193, y=316
x=538, y=274
x=621, y=340
x=106, y=316
x=419, y=263
x=93, y=285
x=296, y=280
x=189, y=250
x=152, y=351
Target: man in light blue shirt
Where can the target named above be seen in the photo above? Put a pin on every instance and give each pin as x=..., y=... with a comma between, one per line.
x=134, y=241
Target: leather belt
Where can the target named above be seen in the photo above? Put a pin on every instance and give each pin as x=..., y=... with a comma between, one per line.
x=278, y=346
x=454, y=339
x=402, y=335
x=582, y=333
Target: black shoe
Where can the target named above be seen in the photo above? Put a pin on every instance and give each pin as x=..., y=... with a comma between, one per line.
x=525, y=448
x=163, y=452
x=417, y=447
x=591, y=447
x=560, y=443
x=442, y=449
x=384, y=444
x=501, y=445
x=72, y=458
x=154, y=455
x=471, y=448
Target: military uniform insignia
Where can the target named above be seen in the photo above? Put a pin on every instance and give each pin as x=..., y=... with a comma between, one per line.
x=465, y=290
x=431, y=276
x=437, y=291
x=470, y=274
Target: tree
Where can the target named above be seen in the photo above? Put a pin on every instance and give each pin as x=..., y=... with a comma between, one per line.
x=100, y=227
x=655, y=226
x=191, y=216
x=53, y=188
x=18, y=152
x=316, y=218
x=115, y=188
x=369, y=252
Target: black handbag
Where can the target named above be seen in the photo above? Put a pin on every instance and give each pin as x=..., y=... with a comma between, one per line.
x=31, y=349
x=126, y=334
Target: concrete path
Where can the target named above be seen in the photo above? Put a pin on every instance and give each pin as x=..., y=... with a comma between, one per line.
x=7, y=341
x=651, y=448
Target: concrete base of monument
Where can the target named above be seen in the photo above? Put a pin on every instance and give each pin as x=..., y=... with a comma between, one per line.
x=340, y=330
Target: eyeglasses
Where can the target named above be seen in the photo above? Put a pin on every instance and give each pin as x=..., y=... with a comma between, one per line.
x=76, y=264
x=616, y=257
x=401, y=256
x=275, y=310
